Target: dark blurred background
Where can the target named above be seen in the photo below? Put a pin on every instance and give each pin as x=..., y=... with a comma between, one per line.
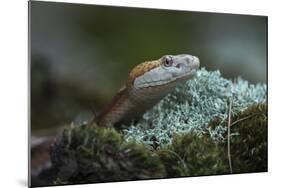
x=82, y=54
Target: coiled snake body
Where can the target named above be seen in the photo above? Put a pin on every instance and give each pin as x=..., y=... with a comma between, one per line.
x=147, y=84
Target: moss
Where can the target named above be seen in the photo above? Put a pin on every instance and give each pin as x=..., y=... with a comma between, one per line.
x=91, y=154
x=202, y=155
x=249, y=147
x=190, y=155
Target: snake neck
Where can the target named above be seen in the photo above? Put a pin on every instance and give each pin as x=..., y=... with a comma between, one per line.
x=130, y=103
x=113, y=112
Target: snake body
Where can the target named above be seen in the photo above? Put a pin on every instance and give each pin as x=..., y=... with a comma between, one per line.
x=147, y=84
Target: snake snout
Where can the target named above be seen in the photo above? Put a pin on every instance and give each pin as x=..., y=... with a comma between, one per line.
x=195, y=62
x=190, y=62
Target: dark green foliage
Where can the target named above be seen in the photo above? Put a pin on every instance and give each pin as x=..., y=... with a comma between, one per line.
x=249, y=148
x=174, y=164
x=91, y=154
x=194, y=156
x=84, y=154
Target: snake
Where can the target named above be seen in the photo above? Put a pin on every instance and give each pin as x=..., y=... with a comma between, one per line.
x=147, y=84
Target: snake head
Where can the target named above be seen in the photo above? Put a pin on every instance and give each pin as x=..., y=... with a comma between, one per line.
x=181, y=66
x=169, y=69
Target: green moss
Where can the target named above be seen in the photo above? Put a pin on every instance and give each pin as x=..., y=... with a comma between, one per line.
x=249, y=146
x=91, y=154
x=202, y=155
x=190, y=155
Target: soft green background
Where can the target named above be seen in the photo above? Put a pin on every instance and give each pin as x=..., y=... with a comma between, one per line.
x=81, y=54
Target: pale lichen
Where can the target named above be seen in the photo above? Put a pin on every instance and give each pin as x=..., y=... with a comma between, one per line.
x=191, y=107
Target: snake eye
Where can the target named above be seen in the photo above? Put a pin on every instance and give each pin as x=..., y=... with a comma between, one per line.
x=168, y=61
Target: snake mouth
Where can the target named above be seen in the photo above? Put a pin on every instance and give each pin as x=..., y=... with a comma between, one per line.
x=190, y=73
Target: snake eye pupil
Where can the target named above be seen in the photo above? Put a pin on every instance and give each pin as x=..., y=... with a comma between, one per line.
x=168, y=61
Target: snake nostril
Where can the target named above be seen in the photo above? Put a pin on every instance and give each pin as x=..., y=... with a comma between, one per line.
x=178, y=65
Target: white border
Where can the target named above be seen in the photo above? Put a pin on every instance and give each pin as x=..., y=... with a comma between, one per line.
x=13, y=93
x=247, y=7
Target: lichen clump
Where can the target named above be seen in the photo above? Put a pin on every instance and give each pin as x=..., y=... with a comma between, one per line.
x=192, y=105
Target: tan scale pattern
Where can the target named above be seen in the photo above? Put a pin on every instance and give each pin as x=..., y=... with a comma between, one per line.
x=141, y=69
